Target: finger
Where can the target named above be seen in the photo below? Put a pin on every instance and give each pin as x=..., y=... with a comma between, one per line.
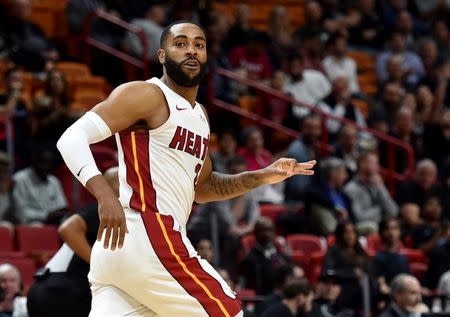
x=123, y=230
x=303, y=166
x=115, y=236
x=304, y=172
x=101, y=227
x=107, y=236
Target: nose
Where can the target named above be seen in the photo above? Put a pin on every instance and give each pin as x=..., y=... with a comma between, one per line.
x=191, y=50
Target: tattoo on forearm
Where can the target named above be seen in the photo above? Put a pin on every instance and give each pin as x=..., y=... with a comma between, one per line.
x=224, y=185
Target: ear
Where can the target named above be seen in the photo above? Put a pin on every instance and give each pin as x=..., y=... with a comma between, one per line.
x=161, y=56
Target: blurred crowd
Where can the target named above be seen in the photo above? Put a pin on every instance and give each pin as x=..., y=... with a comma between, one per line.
x=383, y=65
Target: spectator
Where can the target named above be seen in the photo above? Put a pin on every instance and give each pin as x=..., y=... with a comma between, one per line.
x=406, y=297
x=261, y=263
x=395, y=71
x=283, y=274
x=439, y=259
x=388, y=262
x=436, y=136
x=8, y=208
x=328, y=290
x=370, y=198
x=385, y=109
x=51, y=116
x=306, y=86
x=253, y=151
x=443, y=289
x=61, y=288
x=311, y=49
x=429, y=54
x=325, y=202
x=368, y=32
x=303, y=149
x=314, y=20
x=226, y=151
x=402, y=129
x=225, y=222
x=423, y=185
x=405, y=25
x=279, y=31
x=347, y=148
x=38, y=194
x=441, y=33
x=348, y=259
x=205, y=250
x=11, y=284
x=411, y=62
x=339, y=103
x=151, y=25
x=252, y=58
x=410, y=215
x=13, y=107
x=277, y=109
x=297, y=300
x=339, y=64
x=240, y=31
x=32, y=49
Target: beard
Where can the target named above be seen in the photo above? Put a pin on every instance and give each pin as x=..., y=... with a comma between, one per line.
x=175, y=72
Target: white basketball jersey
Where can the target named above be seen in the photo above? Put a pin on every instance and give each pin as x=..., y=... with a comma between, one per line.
x=158, y=168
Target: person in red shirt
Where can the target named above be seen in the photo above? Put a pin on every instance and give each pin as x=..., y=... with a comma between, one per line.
x=253, y=151
x=252, y=57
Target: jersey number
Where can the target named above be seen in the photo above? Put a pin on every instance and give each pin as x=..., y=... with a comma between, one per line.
x=198, y=168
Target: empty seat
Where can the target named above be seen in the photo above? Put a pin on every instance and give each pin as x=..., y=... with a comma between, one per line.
x=6, y=239
x=37, y=239
x=306, y=244
x=72, y=69
x=272, y=211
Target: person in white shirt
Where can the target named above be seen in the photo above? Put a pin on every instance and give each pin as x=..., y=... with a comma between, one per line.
x=151, y=25
x=38, y=194
x=306, y=86
x=338, y=64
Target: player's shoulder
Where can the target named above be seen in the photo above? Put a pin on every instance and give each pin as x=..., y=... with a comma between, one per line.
x=138, y=89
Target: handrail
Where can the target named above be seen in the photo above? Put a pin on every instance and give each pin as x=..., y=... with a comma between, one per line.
x=391, y=141
x=142, y=62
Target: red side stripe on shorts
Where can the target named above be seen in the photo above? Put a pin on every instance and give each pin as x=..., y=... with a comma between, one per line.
x=174, y=255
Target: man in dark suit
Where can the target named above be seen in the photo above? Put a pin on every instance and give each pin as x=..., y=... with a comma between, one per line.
x=406, y=297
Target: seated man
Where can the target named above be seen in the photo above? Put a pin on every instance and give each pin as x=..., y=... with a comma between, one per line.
x=38, y=194
x=261, y=263
x=371, y=201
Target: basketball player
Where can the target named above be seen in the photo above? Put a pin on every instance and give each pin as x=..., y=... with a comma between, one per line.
x=162, y=136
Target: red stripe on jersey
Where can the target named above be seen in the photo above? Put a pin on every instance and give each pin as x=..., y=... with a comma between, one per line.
x=135, y=145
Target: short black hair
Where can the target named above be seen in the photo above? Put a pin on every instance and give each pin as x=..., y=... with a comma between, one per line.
x=282, y=274
x=166, y=32
x=295, y=287
x=384, y=224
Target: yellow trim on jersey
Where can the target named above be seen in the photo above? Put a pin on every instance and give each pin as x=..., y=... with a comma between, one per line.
x=136, y=169
x=183, y=265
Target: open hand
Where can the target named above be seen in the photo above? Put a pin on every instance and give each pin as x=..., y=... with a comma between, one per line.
x=112, y=221
x=284, y=168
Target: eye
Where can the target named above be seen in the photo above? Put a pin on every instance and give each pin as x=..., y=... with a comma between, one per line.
x=180, y=44
x=200, y=45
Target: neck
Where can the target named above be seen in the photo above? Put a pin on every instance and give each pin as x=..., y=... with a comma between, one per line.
x=392, y=247
x=188, y=93
x=292, y=305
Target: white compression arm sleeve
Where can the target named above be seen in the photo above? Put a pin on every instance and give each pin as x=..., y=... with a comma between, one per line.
x=74, y=145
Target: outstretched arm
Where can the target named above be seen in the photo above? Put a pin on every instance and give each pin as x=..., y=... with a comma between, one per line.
x=214, y=186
